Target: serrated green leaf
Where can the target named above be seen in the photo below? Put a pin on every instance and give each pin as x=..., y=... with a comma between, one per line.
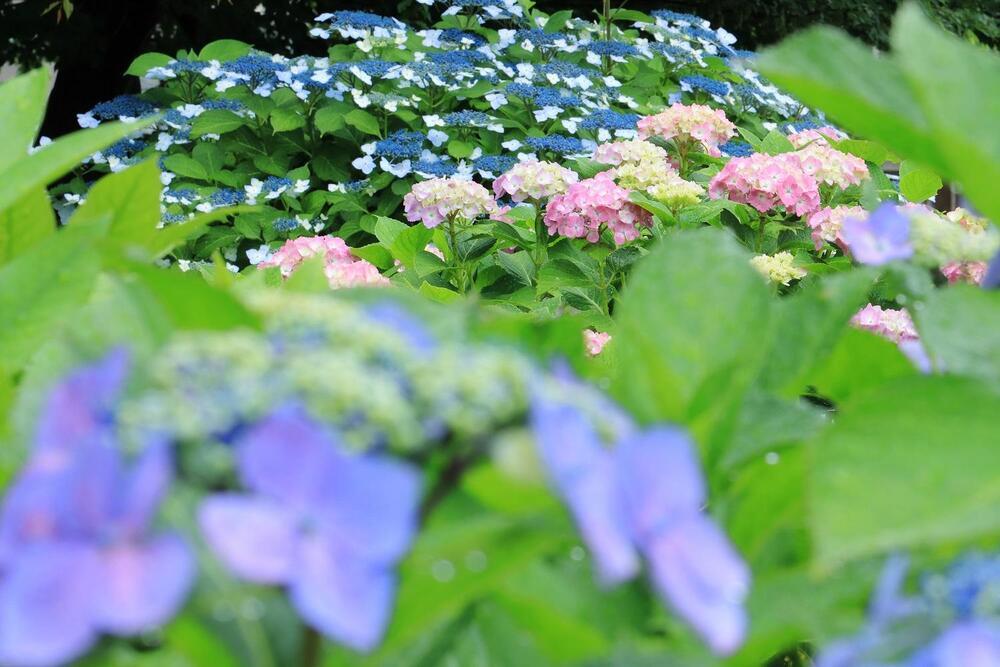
x=363, y=121
x=216, y=121
x=22, y=107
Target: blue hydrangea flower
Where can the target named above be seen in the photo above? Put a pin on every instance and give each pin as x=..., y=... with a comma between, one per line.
x=75, y=550
x=327, y=524
x=123, y=149
x=544, y=96
x=700, y=33
x=614, y=49
x=555, y=143
x=494, y=164
x=458, y=60
x=129, y=106
x=227, y=197
x=437, y=169
x=466, y=119
x=285, y=224
x=456, y=36
x=710, y=86
x=401, y=145
x=736, y=148
x=609, y=120
x=359, y=20
x=645, y=496
x=538, y=37
x=259, y=68
x=677, y=17
x=883, y=237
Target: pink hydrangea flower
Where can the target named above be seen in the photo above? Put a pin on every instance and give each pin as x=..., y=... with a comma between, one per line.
x=684, y=122
x=828, y=165
x=965, y=272
x=827, y=222
x=342, y=269
x=594, y=341
x=767, y=181
x=587, y=204
x=536, y=180
x=894, y=325
x=433, y=201
x=820, y=135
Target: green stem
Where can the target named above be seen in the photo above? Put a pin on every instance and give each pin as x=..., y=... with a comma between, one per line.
x=541, y=250
x=457, y=266
x=312, y=647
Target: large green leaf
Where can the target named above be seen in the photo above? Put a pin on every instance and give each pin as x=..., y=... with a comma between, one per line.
x=25, y=223
x=128, y=203
x=22, y=107
x=960, y=327
x=693, y=330
x=54, y=160
x=912, y=463
x=41, y=288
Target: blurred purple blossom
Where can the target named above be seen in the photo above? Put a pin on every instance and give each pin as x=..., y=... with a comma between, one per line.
x=328, y=524
x=884, y=236
x=75, y=555
x=964, y=644
x=646, y=496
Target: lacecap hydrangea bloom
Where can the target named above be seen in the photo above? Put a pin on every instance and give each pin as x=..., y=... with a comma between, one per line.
x=827, y=222
x=684, y=123
x=588, y=204
x=535, y=180
x=342, y=269
x=436, y=200
x=633, y=150
x=778, y=268
x=767, y=181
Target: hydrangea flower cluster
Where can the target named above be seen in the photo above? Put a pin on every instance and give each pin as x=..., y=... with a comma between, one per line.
x=778, y=268
x=534, y=180
x=767, y=181
x=634, y=150
x=686, y=123
x=588, y=204
x=594, y=341
x=675, y=192
x=830, y=166
x=893, y=324
x=827, y=222
x=342, y=269
x=819, y=136
x=434, y=201
x=643, y=175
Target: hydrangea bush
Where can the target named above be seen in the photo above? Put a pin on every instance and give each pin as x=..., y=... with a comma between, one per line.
x=678, y=398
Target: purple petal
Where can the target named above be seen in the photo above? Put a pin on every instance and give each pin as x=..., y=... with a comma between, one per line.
x=144, y=488
x=46, y=605
x=968, y=644
x=345, y=598
x=883, y=237
x=143, y=585
x=371, y=506
x=87, y=504
x=696, y=570
x=584, y=474
x=660, y=479
x=287, y=456
x=78, y=407
x=991, y=280
x=253, y=537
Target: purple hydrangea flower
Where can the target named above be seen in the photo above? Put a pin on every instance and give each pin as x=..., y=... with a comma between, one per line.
x=992, y=278
x=881, y=238
x=75, y=554
x=645, y=497
x=327, y=524
x=965, y=644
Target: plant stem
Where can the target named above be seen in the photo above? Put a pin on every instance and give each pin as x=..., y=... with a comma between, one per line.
x=541, y=253
x=312, y=647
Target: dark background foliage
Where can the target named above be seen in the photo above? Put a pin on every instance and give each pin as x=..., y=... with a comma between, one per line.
x=101, y=37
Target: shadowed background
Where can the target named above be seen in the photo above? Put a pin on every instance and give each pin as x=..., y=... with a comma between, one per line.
x=94, y=44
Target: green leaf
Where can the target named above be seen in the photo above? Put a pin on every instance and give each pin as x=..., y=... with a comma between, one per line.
x=918, y=184
x=519, y=265
x=680, y=360
x=438, y=294
x=363, y=121
x=211, y=158
x=41, y=288
x=809, y=324
x=960, y=328
x=558, y=274
x=460, y=149
x=286, y=120
x=175, y=234
x=54, y=160
x=186, y=166
x=22, y=107
x=869, y=151
x=216, y=121
x=128, y=203
x=859, y=361
x=557, y=21
x=189, y=302
x=26, y=223
x=775, y=143
x=329, y=119
x=147, y=61
x=767, y=422
x=502, y=493
x=912, y=463
x=224, y=49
